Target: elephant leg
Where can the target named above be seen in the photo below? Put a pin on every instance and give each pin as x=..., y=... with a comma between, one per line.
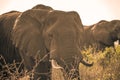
x=40, y=70
x=77, y=75
x=43, y=71
x=74, y=74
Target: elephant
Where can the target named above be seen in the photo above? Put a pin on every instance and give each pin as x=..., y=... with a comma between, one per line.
x=88, y=36
x=43, y=36
x=103, y=34
x=8, y=51
x=107, y=33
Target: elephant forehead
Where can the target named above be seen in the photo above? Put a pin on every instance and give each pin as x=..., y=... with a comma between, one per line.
x=63, y=20
x=61, y=16
x=101, y=26
x=63, y=28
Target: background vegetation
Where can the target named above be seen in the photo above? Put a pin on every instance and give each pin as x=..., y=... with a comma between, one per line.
x=106, y=66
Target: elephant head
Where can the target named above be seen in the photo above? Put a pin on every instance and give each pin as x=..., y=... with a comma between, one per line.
x=7, y=20
x=62, y=39
x=106, y=33
x=7, y=49
x=115, y=32
x=53, y=35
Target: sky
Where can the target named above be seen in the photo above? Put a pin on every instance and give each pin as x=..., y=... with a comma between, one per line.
x=90, y=11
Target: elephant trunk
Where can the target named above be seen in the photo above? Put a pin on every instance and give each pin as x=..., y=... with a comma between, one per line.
x=86, y=64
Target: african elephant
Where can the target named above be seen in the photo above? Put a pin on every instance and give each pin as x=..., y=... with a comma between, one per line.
x=103, y=33
x=7, y=49
x=8, y=52
x=107, y=33
x=42, y=35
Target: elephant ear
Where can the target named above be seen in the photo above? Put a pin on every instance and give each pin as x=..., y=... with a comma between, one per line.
x=76, y=18
x=80, y=29
x=27, y=32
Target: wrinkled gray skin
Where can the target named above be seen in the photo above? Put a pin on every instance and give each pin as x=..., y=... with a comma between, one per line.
x=7, y=20
x=103, y=33
x=51, y=35
x=7, y=49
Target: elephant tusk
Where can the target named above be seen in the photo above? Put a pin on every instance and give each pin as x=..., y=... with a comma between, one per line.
x=116, y=43
x=55, y=65
x=51, y=51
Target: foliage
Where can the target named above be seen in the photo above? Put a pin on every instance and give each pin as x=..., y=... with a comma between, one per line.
x=106, y=64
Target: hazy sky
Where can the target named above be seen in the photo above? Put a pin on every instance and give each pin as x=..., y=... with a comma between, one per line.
x=90, y=11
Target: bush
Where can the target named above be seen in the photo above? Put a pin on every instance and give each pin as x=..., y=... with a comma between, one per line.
x=10, y=71
x=106, y=64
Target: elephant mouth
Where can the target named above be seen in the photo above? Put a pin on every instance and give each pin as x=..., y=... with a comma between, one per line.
x=55, y=65
x=116, y=42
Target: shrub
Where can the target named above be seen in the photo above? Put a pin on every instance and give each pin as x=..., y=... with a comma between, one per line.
x=106, y=65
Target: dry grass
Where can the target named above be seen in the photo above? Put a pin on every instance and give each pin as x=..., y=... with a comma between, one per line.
x=106, y=67
x=12, y=72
